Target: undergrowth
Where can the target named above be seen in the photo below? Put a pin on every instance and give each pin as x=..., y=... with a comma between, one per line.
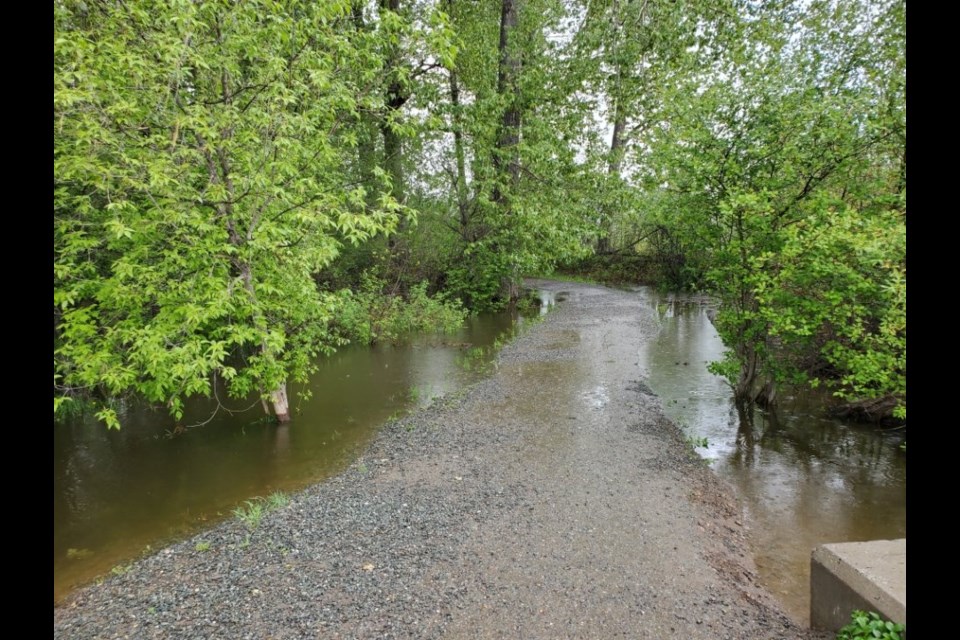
x=251, y=512
x=870, y=626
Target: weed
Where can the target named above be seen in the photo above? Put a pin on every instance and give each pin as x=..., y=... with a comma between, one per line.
x=476, y=359
x=416, y=394
x=251, y=514
x=277, y=499
x=864, y=626
x=202, y=545
x=695, y=442
x=78, y=554
x=530, y=304
x=121, y=569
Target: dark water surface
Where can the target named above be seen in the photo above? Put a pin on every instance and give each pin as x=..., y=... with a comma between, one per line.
x=117, y=493
x=805, y=479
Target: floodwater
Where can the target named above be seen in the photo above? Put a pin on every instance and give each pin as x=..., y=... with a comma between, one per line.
x=116, y=494
x=804, y=479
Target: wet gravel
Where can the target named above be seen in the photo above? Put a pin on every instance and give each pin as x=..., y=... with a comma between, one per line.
x=553, y=499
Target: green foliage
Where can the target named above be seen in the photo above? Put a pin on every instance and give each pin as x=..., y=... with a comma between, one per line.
x=498, y=212
x=373, y=314
x=202, y=545
x=251, y=512
x=529, y=304
x=870, y=626
x=475, y=359
x=786, y=190
x=838, y=286
x=200, y=154
x=240, y=188
x=480, y=279
x=418, y=394
x=277, y=499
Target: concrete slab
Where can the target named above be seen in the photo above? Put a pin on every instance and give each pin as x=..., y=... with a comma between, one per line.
x=871, y=576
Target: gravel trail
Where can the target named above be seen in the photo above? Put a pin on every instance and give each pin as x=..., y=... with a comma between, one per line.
x=551, y=500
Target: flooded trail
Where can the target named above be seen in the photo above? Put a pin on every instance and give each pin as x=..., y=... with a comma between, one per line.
x=553, y=499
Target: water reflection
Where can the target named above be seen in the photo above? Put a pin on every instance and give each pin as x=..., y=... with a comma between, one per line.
x=805, y=479
x=550, y=298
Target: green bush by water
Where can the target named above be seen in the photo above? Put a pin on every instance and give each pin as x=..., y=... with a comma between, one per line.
x=372, y=315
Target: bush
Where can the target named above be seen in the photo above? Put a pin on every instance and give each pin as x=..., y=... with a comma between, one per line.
x=372, y=314
x=870, y=626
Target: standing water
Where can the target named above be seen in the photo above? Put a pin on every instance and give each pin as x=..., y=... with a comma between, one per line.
x=804, y=479
x=117, y=493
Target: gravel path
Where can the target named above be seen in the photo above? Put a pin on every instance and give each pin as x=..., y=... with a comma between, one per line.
x=552, y=500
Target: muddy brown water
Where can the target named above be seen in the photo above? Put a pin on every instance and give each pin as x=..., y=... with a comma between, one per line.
x=803, y=479
x=120, y=493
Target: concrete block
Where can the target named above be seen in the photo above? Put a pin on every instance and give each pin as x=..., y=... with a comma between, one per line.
x=871, y=576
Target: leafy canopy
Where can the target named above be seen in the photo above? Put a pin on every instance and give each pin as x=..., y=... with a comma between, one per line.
x=198, y=185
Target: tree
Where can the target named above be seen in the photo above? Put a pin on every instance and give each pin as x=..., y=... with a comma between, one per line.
x=199, y=183
x=626, y=52
x=786, y=179
x=516, y=118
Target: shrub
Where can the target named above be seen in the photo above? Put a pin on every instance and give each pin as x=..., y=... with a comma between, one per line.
x=870, y=626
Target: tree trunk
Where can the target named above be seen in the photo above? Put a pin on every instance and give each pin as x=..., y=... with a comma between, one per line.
x=743, y=390
x=278, y=400
x=748, y=390
x=461, y=178
x=396, y=96
x=614, y=162
x=506, y=159
x=766, y=396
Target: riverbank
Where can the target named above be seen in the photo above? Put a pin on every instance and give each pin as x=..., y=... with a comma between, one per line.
x=551, y=500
